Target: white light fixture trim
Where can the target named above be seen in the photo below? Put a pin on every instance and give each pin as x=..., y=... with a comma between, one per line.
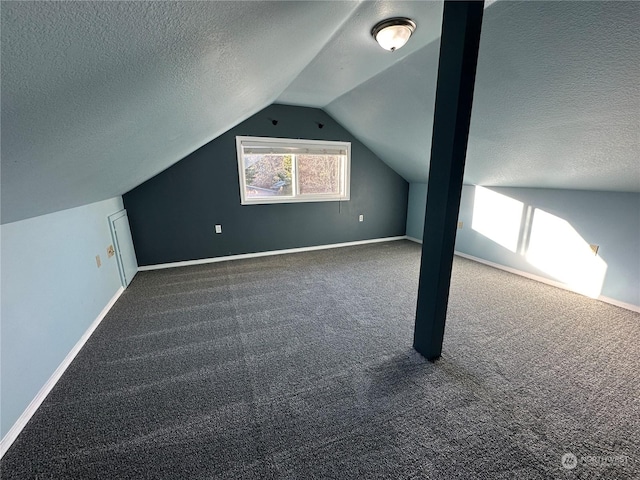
x=393, y=33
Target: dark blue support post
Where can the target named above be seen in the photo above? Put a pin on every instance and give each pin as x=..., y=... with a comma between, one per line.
x=461, y=25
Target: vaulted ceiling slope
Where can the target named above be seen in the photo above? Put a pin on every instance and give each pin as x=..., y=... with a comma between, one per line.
x=98, y=97
x=556, y=104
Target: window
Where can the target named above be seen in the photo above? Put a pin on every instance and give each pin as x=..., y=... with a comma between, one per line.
x=282, y=170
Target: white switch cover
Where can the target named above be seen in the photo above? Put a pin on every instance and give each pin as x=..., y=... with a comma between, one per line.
x=361, y=218
x=218, y=228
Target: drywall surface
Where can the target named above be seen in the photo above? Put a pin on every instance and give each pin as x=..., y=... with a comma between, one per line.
x=556, y=101
x=52, y=291
x=416, y=210
x=173, y=215
x=547, y=232
x=352, y=56
x=98, y=97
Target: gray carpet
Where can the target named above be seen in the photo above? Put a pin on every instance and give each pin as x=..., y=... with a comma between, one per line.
x=301, y=367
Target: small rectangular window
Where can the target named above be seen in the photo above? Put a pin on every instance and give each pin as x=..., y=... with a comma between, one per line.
x=282, y=170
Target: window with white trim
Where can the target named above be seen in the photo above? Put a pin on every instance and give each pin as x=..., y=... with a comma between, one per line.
x=282, y=170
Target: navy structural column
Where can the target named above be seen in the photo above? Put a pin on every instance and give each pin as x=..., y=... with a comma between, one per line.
x=461, y=25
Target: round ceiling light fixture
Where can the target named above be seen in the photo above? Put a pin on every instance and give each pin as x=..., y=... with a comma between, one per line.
x=393, y=33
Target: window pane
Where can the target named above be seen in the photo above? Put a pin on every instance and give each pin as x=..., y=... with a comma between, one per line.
x=286, y=170
x=319, y=174
x=267, y=175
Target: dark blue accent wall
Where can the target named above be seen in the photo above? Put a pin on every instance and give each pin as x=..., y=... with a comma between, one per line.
x=173, y=214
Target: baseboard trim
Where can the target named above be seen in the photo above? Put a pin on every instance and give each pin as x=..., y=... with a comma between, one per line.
x=538, y=278
x=553, y=283
x=242, y=256
x=618, y=303
x=22, y=421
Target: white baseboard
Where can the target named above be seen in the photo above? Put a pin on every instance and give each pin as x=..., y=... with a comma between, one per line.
x=538, y=278
x=554, y=283
x=266, y=254
x=22, y=421
x=618, y=303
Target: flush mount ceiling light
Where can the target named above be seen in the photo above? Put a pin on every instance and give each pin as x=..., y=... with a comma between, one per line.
x=393, y=33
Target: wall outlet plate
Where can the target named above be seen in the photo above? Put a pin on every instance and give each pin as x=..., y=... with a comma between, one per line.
x=361, y=218
x=218, y=228
x=460, y=224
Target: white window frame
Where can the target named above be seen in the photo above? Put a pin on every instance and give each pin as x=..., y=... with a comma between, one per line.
x=242, y=142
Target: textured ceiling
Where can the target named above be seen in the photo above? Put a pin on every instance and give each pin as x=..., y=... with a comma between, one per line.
x=97, y=97
x=556, y=104
x=352, y=56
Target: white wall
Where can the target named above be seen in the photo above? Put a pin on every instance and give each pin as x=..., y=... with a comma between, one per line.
x=51, y=291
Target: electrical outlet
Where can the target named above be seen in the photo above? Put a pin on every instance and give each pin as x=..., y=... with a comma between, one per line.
x=218, y=228
x=595, y=248
x=110, y=251
x=460, y=224
x=361, y=218
x=98, y=262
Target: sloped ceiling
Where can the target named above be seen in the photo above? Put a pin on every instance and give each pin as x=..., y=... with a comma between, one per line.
x=97, y=97
x=352, y=57
x=556, y=103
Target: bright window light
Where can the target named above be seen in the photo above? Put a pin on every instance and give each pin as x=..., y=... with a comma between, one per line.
x=281, y=170
x=558, y=250
x=497, y=217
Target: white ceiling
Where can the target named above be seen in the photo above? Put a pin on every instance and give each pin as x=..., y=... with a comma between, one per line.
x=352, y=56
x=556, y=103
x=97, y=97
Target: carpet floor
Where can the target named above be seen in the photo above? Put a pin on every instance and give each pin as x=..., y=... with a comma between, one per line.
x=300, y=367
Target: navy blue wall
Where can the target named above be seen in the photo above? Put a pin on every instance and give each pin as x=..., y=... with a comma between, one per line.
x=172, y=215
